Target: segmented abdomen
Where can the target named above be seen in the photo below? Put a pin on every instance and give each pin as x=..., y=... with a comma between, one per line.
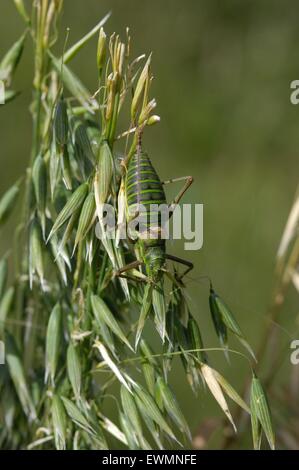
x=143, y=187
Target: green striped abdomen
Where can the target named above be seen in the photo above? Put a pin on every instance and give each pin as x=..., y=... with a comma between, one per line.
x=143, y=190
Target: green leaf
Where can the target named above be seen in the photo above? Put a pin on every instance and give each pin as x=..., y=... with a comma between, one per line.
x=17, y=375
x=219, y=325
x=101, y=52
x=59, y=423
x=106, y=334
x=73, y=205
x=39, y=178
x=5, y=307
x=231, y=392
x=87, y=217
x=74, y=369
x=61, y=258
x=145, y=309
x=83, y=144
x=7, y=202
x=68, y=232
x=54, y=168
x=61, y=123
x=10, y=95
x=126, y=426
x=101, y=311
x=230, y=322
x=72, y=51
x=196, y=339
x=147, y=406
x=261, y=410
x=172, y=407
x=150, y=367
x=22, y=10
x=74, y=85
x=104, y=172
x=256, y=428
x=139, y=89
x=11, y=59
x=53, y=342
x=36, y=254
x=159, y=306
x=3, y=275
x=132, y=415
x=153, y=429
x=66, y=168
x=77, y=416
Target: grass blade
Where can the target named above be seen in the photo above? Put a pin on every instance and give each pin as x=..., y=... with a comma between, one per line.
x=39, y=179
x=230, y=321
x=261, y=410
x=54, y=168
x=148, y=407
x=114, y=430
x=230, y=391
x=77, y=416
x=101, y=310
x=3, y=275
x=36, y=254
x=105, y=172
x=132, y=415
x=219, y=325
x=172, y=407
x=7, y=202
x=61, y=123
x=83, y=143
x=53, y=342
x=212, y=383
x=11, y=59
x=86, y=219
x=107, y=359
x=150, y=366
x=145, y=309
x=17, y=375
x=196, y=339
x=289, y=230
x=59, y=423
x=127, y=430
x=5, y=307
x=159, y=306
x=74, y=369
x=74, y=85
x=73, y=50
x=256, y=428
x=73, y=204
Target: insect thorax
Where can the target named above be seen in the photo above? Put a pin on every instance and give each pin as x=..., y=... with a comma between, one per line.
x=154, y=259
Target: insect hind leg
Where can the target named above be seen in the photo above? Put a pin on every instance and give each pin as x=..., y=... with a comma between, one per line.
x=188, y=181
x=189, y=265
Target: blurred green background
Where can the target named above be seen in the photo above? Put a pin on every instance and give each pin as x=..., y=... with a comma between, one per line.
x=222, y=81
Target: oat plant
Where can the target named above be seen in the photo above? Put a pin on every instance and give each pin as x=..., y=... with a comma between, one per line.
x=75, y=302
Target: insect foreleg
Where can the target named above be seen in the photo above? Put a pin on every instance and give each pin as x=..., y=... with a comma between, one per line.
x=128, y=267
x=133, y=278
x=135, y=274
